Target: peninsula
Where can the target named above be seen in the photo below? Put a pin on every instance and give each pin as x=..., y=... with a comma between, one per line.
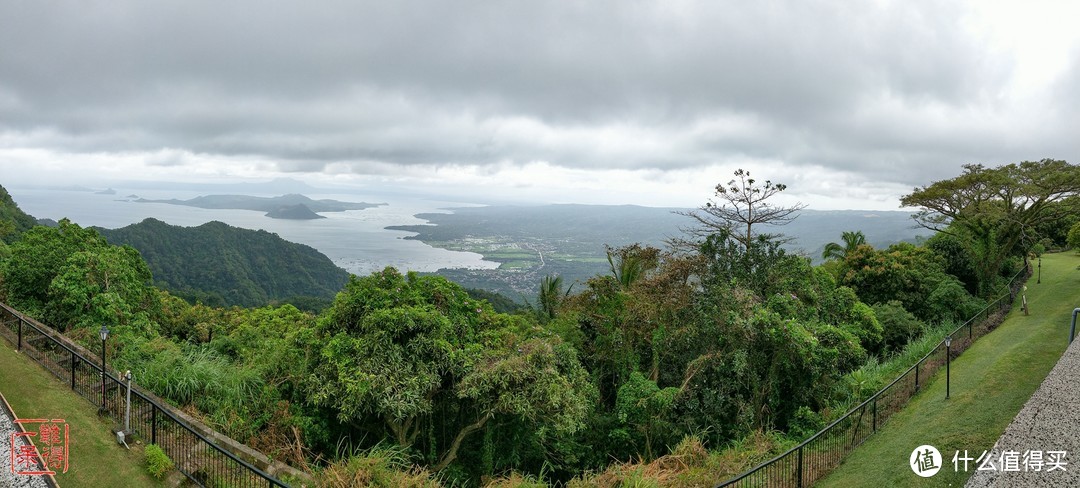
x=291, y=206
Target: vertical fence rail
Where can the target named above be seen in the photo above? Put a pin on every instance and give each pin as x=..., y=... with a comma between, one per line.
x=815, y=457
x=198, y=458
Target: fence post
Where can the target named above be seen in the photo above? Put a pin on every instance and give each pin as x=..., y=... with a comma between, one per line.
x=153, y=423
x=798, y=482
x=875, y=414
x=72, y=369
x=917, y=374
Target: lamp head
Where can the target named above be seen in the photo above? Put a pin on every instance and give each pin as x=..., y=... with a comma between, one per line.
x=948, y=341
x=104, y=332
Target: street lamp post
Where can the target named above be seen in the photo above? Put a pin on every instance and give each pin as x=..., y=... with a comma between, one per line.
x=948, y=360
x=104, y=333
x=1039, y=281
x=127, y=410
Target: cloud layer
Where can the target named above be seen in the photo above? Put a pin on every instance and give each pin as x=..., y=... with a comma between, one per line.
x=882, y=94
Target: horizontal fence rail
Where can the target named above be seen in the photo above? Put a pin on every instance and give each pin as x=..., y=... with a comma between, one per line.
x=815, y=457
x=197, y=457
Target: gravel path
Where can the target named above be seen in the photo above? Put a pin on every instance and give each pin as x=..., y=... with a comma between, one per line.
x=1049, y=421
x=7, y=477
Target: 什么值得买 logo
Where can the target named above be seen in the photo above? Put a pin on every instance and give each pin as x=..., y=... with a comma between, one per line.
x=925, y=461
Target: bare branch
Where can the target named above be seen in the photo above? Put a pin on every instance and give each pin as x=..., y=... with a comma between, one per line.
x=740, y=204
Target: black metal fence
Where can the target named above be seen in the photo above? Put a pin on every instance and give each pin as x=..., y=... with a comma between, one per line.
x=201, y=460
x=815, y=457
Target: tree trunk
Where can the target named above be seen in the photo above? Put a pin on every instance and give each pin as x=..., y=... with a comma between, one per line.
x=451, y=454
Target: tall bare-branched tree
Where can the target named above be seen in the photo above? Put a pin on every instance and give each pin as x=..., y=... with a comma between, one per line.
x=739, y=206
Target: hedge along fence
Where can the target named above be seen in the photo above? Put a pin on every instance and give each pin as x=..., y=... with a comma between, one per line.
x=815, y=457
x=204, y=455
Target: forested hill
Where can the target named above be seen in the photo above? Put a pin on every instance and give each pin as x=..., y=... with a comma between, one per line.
x=13, y=220
x=224, y=265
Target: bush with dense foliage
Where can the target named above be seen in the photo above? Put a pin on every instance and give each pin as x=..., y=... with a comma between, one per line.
x=157, y=462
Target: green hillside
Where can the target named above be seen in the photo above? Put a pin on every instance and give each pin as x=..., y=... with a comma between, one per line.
x=13, y=220
x=224, y=265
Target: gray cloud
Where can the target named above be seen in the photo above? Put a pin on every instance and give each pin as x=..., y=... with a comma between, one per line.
x=897, y=91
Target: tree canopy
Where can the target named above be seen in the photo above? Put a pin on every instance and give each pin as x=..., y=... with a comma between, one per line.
x=997, y=210
x=402, y=350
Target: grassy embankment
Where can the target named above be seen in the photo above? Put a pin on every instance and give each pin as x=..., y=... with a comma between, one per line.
x=95, y=457
x=990, y=383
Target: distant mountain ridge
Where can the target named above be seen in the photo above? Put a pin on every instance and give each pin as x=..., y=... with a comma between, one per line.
x=569, y=239
x=597, y=225
x=281, y=207
x=224, y=265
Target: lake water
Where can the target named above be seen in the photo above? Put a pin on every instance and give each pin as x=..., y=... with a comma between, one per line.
x=355, y=240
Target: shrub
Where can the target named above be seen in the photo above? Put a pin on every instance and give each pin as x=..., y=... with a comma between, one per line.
x=805, y=423
x=950, y=301
x=899, y=326
x=157, y=462
x=1073, y=238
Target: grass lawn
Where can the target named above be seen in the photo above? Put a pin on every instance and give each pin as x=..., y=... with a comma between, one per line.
x=95, y=457
x=991, y=382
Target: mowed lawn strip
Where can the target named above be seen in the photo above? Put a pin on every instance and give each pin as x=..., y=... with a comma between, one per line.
x=96, y=459
x=991, y=381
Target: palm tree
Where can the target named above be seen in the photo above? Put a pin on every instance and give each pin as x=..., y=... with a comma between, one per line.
x=631, y=263
x=551, y=294
x=851, y=240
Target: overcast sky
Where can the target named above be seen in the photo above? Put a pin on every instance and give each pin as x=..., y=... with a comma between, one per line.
x=850, y=103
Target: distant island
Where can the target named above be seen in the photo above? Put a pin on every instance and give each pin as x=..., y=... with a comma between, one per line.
x=107, y=191
x=294, y=212
x=292, y=206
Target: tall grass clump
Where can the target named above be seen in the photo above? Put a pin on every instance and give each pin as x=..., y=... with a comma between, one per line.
x=198, y=376
x=858, y=385
x=384, y=465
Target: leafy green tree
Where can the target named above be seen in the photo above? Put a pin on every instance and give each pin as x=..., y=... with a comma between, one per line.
x=840, y=306
x=402, y=351
x=958, y=258
x=851, y=240
x=906, y=273
x=103, y=285
x=37, y=258
x=644, y=407
x=760, y=372
x=996, y=211
x=1074, y=237
x=899, y=326
x=758, y=266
